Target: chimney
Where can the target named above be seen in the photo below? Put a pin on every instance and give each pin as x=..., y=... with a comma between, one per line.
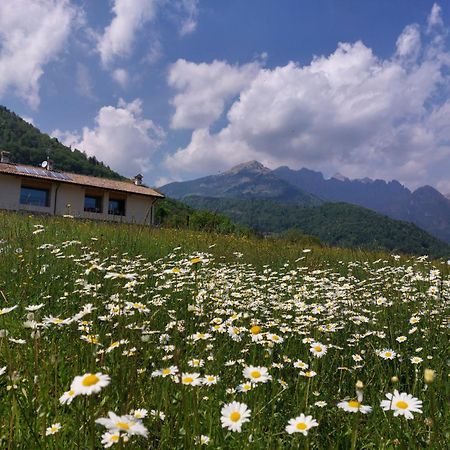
x=4, y=157
x=138, y=179
x=49, y=165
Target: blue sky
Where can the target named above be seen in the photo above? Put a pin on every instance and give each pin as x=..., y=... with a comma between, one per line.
x=178, y=89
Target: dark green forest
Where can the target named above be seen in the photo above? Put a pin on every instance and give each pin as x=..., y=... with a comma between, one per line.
x=28, y=145
x=336, y=224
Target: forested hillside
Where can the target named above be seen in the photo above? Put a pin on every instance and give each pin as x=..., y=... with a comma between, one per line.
x=337, y=224
x=28, y=145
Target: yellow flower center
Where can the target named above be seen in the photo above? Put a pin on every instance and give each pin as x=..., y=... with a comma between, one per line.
x=255, y=374
x=71, y=393
x=90, y=380
x=165, y=371
x=275, y=337
x=115, y=438
x=123, y=425
x=353, y=403
x=318, y=348
x=255, y=329
x=235, y=416
x=301, y=426
x=401, y=404
x=388, y=354
x=188, y=380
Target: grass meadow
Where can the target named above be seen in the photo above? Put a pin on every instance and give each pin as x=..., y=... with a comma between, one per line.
x=127, y=337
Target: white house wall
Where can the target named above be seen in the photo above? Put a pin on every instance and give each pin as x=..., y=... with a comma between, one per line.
x=70, y=200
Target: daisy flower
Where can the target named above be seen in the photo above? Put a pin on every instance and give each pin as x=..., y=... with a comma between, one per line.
x=202, y=440
x=127, y=424
x=245, y=387
x=89, y=383
x=299, y=364
x=301, y=424
x=109, y=439
x=387, y=353
x=192, y=379
x=209, y=380
x=402, y=404
x=139, y=413
x=165, y=372
x=275, y=338
x=67, y=397
x=308, y=374
x=53, y=429
x=354, y=406
x=318, y=349
x=234, y=414
x=256, y=374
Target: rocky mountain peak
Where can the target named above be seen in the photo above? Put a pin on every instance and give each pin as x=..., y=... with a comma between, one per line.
x=254, y=167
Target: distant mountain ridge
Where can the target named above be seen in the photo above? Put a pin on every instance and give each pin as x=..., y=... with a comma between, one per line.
x=425, y=207
x=248, y=180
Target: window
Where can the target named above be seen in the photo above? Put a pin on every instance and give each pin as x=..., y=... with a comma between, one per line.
x=116, y=207
x=34, y=196
x=93, y=203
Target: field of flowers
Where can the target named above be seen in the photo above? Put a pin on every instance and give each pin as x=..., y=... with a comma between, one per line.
x=124, y=337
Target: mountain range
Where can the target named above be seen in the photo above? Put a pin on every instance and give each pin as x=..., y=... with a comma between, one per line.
x=425, y=207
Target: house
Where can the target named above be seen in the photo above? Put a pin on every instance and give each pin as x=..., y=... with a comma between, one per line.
x=44, y=190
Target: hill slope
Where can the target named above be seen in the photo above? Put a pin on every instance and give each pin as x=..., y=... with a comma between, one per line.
x=337, y=224
x=28, y=145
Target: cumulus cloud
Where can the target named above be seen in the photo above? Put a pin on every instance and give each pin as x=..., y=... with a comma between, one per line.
x=129, y=17
x=32, y=33
x=349, y=111
x=435, y=18
x=203, y=89
x=121, y=137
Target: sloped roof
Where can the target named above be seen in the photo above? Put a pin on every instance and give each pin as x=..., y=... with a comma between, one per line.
x=74, y=178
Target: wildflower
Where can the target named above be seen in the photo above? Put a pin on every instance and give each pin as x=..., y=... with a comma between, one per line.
x=172, y=370
x=109, y=439
x=300, y=365
x=301, y=424
x=245, y=387
x=202, y=440
x=209, y=380
x=192, y=379
x=416, y=359
x=89, y=383
x=196, y=363
x=67, y=397
x=256, y=374
x=159, y=414
x=401, y=339
x=354, y=406
x=127, y=424
x=3, y=370
x=429, y=375
x=275, y=338
x=139, y=413
x=308, y=374
x=53, y=429
x=234, y=414
x=318, y=349
x=402, y=404
x=387, y=354
x=320, y=404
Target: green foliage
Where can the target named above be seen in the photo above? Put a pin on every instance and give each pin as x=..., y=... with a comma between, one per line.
x=28, y=145
x=336, y=224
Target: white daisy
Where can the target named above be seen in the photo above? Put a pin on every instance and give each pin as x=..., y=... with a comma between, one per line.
x=109, y=439
x=234, y=414
x=126, y=424
x=89, y=383
x=318, y=349
x=301, y=424
x=387, y=353
x=67, y=397
x=402, y=404
x=192, y=379
x=256, y=374
x=354, y=406
x=53, y=429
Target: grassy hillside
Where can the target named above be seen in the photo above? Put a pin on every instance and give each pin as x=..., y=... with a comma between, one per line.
x=166, y=328
x=337, y=224
x=29, y=146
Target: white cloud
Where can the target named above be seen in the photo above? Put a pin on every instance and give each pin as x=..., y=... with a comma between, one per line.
x=32, y=33
x=189, y=23
x=435, y=18
x=28, y=120
x=121, y=137
x=349, y=111
x=203, y=89
x=129, y=18
x=121, y=77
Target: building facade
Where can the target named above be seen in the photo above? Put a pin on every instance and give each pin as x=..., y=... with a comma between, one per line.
x=44, y=190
